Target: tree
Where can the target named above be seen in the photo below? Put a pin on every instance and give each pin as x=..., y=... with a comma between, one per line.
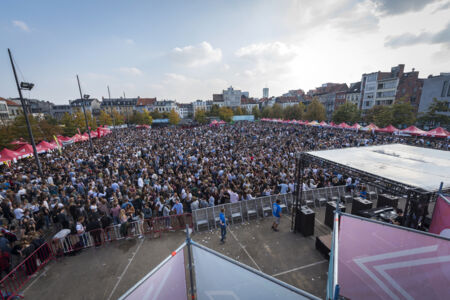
x=6, y=136
x=434, y=116
x=238, y=111
x=214, y=112
x=80, y=122
x=403, y=114
x=20, y=130
x=256, y=112
x=381, y=115
x=118, y=119
x=347, y=112
x=104, y=118
x=294, y=112
x=70, y=128
x=315, y=111
x=266, y=112
x=226, y=114
x=146, y=118
x=277, y=111
x=244, y=111
x=174, y=118
x=156, y=115
x=200, y=116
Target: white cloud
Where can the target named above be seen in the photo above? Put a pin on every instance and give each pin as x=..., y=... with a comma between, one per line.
x=131, y=71
x=198, y=55
x=21, y=25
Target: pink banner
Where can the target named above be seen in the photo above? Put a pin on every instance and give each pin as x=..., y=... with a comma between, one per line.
x=440, y=223
x=169, y=282
x=378, y=261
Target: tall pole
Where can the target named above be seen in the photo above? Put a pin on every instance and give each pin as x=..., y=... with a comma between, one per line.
x=30, y=132
x=85, y=117
x=191, y=277
x=110, y=103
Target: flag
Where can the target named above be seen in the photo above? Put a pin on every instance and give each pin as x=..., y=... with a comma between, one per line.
x=440, y=223
x=79, y=131
x=58, y=144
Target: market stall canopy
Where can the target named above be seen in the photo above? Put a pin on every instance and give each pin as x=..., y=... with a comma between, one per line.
x=413, y=130
x=323, y=123
x=344, y=125
x=355, y=126
x=437, y=132
x=45, y=146
x=388, y=129
x=313, y=123
x=7, y=155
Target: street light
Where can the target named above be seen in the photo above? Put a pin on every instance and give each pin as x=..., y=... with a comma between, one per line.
x=26, y=86
x=83, y=99
x=112, y=113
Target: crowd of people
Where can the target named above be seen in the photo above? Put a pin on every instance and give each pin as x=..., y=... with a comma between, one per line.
x=137, y=174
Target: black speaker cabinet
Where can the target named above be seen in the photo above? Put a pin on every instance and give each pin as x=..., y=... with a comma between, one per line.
x=329, y=213
x=360, y=204
x=387, y=200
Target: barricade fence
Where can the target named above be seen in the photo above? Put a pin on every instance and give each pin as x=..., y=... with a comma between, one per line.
x=152, y=228
x=11, y=284
x=262, y=206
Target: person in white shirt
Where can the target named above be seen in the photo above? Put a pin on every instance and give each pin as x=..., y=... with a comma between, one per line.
x=18, y=212
x=234, y=197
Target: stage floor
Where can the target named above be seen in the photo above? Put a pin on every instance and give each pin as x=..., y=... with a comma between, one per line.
x=107, y=272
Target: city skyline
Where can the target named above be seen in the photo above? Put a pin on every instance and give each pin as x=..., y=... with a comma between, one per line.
x=189, y=51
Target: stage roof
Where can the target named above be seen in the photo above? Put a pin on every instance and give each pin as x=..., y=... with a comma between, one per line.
x=414, y=166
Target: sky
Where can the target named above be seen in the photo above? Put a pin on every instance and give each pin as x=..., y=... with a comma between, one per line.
x=188, y=50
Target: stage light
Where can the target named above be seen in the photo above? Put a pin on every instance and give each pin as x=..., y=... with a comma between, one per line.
x=26, y=86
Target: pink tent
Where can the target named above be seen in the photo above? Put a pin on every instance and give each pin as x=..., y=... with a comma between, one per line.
x=388, y=129
x=64, y=139
x=25, y=150
x=437, y=132
x=45, y=145
x=221, y=122
x=413, y=130
x=19, y=142
x=355, y=126
x=344, y=125
x=323, y=123
x=332, y=124
x=7, y=155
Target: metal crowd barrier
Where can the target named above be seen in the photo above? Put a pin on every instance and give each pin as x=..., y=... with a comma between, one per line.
x=21, y=274
x=153, y=227
x=262, y=207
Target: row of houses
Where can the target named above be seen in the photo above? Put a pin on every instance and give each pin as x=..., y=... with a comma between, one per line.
x=375, y=88
x=384, y=88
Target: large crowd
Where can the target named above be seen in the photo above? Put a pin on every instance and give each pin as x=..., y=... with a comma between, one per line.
x=137, y=174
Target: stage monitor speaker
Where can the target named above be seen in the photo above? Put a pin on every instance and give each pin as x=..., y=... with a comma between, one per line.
x=305, y=224
x=387, y=200
x=360, y=204
x=329, y=213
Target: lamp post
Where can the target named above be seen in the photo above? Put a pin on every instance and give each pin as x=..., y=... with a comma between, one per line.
x=112, y=113
x=83, y=99
x=26, y=86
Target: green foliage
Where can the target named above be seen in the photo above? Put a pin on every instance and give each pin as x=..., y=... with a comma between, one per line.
x=70, y=128
x=277, y=111
x=434, y=117
x=266, y=112
x=141, y=118
x=200, y=116
x=256, y=112
x=403, y=114
x=294, y=112
x=104, y=118
x=347, y=112
x=380, y=115
x=315, y=111
x=156, y=115
x=214, y=112
x=118, y=119
x=238, y=111
x=226, y=114
x=174, y=118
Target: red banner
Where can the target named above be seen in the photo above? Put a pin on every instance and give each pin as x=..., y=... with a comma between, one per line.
x=440, y=223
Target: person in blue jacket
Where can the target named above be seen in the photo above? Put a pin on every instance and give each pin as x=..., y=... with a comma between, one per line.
x=276, y=212
x=223, y=225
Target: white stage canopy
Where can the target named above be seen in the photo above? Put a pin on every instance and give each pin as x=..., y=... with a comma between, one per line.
x=414, y=166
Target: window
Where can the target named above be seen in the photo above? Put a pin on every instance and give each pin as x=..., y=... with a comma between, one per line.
x=444, y=88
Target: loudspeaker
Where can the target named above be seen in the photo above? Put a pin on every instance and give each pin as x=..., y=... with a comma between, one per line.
x=360, y=204
x=329, y=213
x=306, y=222
x=387, y=200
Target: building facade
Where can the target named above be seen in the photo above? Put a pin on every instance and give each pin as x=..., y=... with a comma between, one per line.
x=58, y=111
x=165, y=106
x=248, y=104
x=232, y=97
x=435, y=87
x=92, y=105
x=4, y=113
x=353, y=94
x=265, y=92
x=410, y=88
x=124, y=106
x=14, y=109
x=145, y=104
